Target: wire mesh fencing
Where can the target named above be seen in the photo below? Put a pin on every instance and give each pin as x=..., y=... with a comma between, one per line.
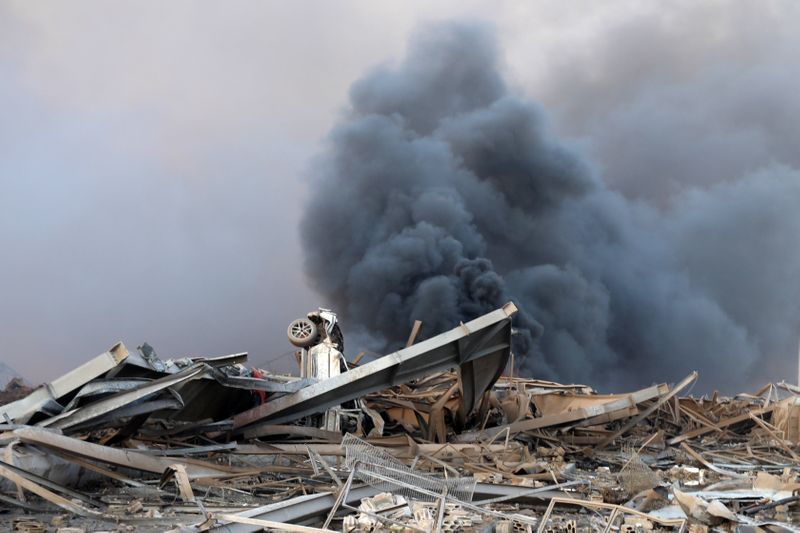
x=381, y=470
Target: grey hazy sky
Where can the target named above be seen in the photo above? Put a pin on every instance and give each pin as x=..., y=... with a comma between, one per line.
x=153, y=154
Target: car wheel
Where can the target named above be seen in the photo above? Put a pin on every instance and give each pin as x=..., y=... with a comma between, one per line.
x=302, y=332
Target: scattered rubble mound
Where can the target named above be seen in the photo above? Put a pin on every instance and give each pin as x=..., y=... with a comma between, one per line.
x=430, y=438
x=14, y=390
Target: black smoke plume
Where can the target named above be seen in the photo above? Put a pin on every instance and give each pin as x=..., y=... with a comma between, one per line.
x=442, y=194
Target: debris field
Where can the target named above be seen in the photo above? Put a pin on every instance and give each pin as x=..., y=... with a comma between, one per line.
x=437, y=436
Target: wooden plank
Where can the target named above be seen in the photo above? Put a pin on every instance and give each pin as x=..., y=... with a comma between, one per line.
x=46, y=483
x=624, y=404
x=48, y=495
x=650, y=410
x=100, y=470
x=414, y=332
x=8, y=456
x=556, y=403
x=182, y=479
x=437, y=430
x=266, y=429
x=121, y=457
x=358, y=358
x=697, y=417
x=721, y=424
x=782, y=443
x=699, y=458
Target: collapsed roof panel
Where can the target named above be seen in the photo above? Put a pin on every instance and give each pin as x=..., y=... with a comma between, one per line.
x=23, y=409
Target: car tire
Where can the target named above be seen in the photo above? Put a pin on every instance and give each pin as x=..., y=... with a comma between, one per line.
x=302, y=333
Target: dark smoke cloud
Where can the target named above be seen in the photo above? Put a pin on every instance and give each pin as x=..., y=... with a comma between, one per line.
x=442, y=194
x=681, y=95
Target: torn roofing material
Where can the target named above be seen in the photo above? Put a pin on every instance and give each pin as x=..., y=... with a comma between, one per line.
x=99, y=408
x=488, y=336
x=23, y=409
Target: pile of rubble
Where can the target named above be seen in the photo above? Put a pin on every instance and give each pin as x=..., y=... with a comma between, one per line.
x=433, y=437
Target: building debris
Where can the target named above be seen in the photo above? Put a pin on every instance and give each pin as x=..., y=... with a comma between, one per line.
x=433, y=437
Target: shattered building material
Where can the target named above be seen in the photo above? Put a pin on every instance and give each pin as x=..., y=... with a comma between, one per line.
x=21, y=410
x=125, y=458
x=106, y=406
x=437, y=439
x=383, y=470
x=617, y=511
x=15, y=389
x=786, y=420
x=43, y=489
x=600, y=410
x=487, y=337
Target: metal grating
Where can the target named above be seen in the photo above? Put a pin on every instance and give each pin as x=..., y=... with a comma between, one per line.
x=381, y=470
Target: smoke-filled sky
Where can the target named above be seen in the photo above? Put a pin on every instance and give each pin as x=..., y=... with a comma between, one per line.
x=156, y=160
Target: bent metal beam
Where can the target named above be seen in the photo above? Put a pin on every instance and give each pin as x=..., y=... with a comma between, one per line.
x=488, y=336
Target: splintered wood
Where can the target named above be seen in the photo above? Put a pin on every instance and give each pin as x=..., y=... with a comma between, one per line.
x=123, y=440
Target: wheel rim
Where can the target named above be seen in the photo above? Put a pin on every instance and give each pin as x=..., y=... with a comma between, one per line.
x=301, y=330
